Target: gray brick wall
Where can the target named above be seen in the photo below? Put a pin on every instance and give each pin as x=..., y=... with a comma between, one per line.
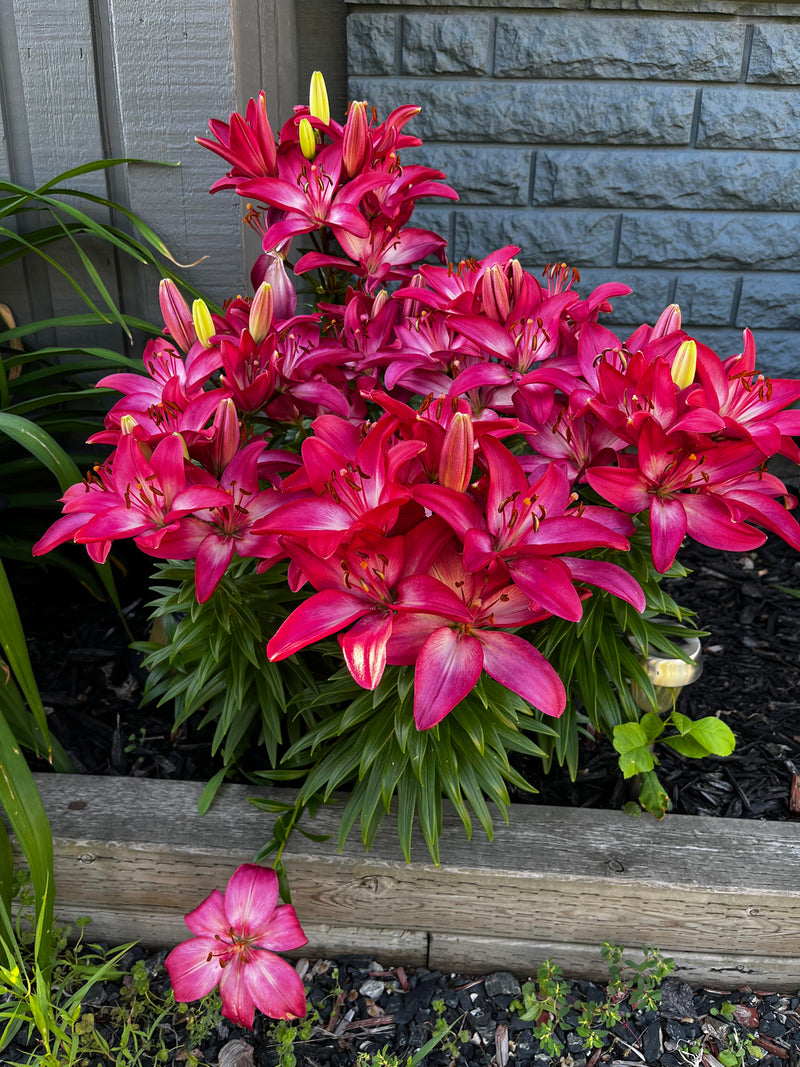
x=653, y=142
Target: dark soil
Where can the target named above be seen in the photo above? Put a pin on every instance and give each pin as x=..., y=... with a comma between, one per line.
x=363, y=1007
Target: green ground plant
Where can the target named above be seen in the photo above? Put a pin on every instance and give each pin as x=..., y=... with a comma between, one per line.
x=547, y=1000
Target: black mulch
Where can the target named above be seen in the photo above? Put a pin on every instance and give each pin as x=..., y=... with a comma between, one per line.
x=363, y=1007
x=752, y=670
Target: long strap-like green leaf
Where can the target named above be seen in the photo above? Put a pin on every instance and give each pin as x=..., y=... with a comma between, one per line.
x=28, y=821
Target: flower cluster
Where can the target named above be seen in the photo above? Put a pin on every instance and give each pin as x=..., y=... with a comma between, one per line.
x=448, y=461
x=444, y=465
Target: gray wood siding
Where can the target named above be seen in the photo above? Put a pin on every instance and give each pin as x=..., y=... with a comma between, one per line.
x=86, y=79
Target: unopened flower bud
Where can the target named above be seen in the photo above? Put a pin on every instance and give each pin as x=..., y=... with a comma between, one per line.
x=203, y=323
x=684, y=364
x=456, y=460
x=270, y=267
x=176, y=315
x=318, y=98
x=225, y=441
x=261, y=311
x=494, y=289
x=668, y=322
x=308, y=139
x=354, y=138
x=127, y=424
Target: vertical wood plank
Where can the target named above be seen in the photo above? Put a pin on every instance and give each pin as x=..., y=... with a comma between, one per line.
x=56, y=56
x=174, y=71
x=58, y=92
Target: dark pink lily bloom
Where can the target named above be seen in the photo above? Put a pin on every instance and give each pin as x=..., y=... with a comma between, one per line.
x=447, y=624
x=237, y=935
x=356, y=588
x=355, y=488
x=310, y=196
x=748, y=403
x=248, y=144
x=529, y=528
x=249, y=371
x=676, y=483
x=384, y=254
x=130, y=497
x=226, y=529
x=163, y=401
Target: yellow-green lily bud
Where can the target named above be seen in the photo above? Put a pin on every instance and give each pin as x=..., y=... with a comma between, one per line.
x=261, y=311
x=127, y=424
x=684, y=364
x=203, y=323
x=318, y=98
x=308, y=139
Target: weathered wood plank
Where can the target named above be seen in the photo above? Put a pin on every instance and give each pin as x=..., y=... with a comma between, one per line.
x=707, y=886
x=468, y=954
x=57, y=71
x=165, y=928
x=174, y=71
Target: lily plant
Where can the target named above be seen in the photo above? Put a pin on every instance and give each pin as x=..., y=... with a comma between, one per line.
x=455, y=470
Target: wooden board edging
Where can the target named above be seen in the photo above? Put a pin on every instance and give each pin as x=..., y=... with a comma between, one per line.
x=721, y=896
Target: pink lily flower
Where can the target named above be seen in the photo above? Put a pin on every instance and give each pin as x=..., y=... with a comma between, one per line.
x=446, y=625
x=355, y=486
x=748, y=403
x=130, y=497
x=356, y=588
x=237, y=936
x=227, y=528
x=248, y=144
x=311, y=196
x=528, y=528
x=676, y=482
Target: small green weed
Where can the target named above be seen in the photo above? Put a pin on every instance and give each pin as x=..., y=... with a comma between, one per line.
x=547, y=1001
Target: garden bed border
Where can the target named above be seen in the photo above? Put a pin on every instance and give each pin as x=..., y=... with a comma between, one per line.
x=721, y=896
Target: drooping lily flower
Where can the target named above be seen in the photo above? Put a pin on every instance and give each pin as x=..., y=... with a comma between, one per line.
x=237, y=936
x=450, y=624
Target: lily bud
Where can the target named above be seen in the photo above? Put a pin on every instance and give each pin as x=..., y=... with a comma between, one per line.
x=457, y=458
x=308, y=139
x=127, y=424
x=318, y=98
x=270, y=267
x=684, y=364
x=176, y=315
x=668, y=321
x=225, y=442
x=261, y=311
x=354, y=138
x=494, y=290
x=203, y=323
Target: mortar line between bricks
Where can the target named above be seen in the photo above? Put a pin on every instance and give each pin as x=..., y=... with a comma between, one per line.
x=617, y=239
x=737, y=298
x=747, y=52
x=493, y=47
x=398, y=45
x=698, y=101
x=532, y=178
